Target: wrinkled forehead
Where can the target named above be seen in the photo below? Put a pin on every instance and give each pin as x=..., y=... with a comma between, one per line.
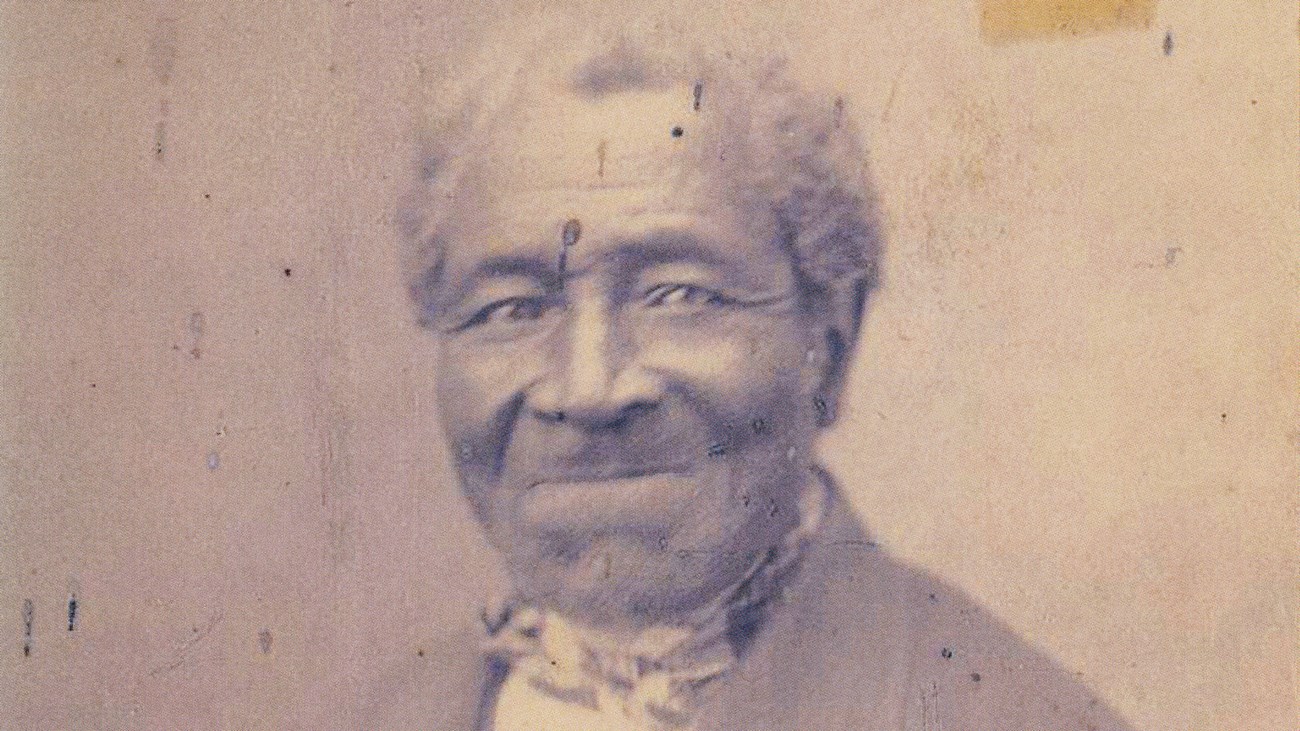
x=628, y=138
x=673, y=145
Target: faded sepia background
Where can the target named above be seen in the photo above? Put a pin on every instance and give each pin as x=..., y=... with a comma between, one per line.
x=1075, y=396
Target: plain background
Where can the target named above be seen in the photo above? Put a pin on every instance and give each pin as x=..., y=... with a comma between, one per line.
x=1075, y=396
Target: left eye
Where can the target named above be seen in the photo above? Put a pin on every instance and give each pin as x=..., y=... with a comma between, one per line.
x=683, y=295
x=510, y=310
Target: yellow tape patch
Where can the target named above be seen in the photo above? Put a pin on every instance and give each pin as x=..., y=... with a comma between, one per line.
x=1013, y=20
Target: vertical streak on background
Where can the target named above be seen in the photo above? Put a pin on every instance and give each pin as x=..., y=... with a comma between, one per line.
x=10, y=566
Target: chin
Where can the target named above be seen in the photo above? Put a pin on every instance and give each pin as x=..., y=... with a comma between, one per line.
x=619, y=582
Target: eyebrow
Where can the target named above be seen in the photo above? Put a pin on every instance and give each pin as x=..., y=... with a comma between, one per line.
x=668, y=245
x=515, y=265
x=656, y=247
x=502, y=266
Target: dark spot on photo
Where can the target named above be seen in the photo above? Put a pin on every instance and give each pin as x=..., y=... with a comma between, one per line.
x=160, y=140
x=29, y=611
x=569, y=236
x=197, y=324
x=677, y=132
x=572, y=231
x=620, y=69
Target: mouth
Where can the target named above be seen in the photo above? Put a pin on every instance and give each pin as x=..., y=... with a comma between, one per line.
x=623, y=500
x=610, y=475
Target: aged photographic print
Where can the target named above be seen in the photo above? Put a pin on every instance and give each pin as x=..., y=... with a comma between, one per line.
x=647, y=267
x=649, y=367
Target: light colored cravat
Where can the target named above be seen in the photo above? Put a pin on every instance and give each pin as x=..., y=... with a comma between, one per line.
x=565, y=676
x=572, y=679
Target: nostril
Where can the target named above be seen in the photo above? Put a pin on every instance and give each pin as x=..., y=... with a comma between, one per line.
x=554, y=417
x=641, y=407
x=597, y=417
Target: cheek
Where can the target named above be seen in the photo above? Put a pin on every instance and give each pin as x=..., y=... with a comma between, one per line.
x=477, y=390
x=752, y=380
x=750, y=374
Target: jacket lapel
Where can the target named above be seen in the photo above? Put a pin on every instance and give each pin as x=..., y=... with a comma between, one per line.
x=830, y=651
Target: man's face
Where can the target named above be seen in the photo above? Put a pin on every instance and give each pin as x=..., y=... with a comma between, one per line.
x=627, y=367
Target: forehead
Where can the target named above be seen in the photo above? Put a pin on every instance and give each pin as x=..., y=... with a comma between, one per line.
x=549, y=136
x=627, y=166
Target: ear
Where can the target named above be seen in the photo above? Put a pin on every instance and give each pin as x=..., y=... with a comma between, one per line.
x=835, y=317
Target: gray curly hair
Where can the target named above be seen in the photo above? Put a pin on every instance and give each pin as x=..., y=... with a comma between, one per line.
x=795, y=157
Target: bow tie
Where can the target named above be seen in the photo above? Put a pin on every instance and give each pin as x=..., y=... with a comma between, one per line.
x=656, y=679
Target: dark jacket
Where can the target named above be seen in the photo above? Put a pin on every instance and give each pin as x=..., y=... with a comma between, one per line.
x=862, y=642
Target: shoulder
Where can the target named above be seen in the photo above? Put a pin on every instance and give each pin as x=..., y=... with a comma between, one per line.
x=865, y=641
x=969, y=667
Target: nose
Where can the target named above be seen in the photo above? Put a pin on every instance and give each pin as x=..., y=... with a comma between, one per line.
x=595, y=379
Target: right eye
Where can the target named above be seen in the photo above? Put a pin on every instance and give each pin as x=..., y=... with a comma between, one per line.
x=510, y=311
x=683, y=297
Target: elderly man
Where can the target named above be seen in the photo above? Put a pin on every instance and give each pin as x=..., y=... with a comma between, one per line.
x=645, y=274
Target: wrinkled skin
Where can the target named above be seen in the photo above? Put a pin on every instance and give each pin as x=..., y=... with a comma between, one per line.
x=629, y=371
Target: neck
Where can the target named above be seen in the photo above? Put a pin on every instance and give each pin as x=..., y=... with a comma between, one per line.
x=760, y=577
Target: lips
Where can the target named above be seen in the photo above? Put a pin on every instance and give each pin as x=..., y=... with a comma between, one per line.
x=631, y=500
x=611, y=473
